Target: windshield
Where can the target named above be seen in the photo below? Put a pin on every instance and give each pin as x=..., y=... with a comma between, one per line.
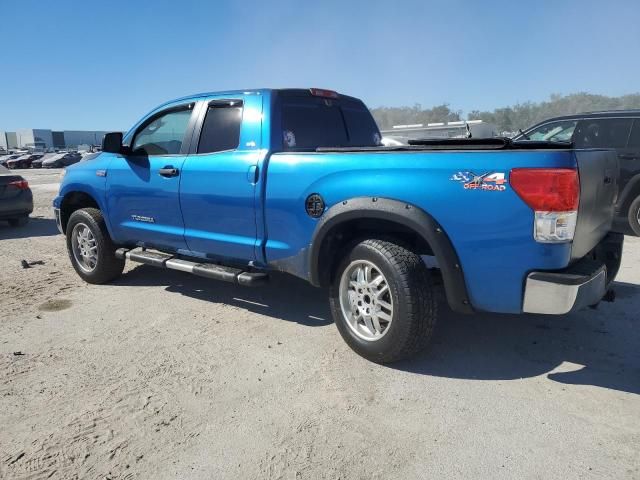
x=560, y=131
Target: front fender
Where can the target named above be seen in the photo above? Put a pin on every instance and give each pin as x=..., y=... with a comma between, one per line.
x=88, y=182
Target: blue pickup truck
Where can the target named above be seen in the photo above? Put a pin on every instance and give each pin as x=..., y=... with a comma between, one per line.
x=235, y=185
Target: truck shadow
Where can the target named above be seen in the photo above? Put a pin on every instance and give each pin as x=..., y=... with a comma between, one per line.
x=37, y=227
x=590, y=347
x=285, y=297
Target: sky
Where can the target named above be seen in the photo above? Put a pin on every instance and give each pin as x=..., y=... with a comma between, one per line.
x=101, y=65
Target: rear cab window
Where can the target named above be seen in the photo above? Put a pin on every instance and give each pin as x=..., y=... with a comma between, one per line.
x=309, y=122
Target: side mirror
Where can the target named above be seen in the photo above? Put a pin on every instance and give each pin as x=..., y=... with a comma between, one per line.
x=112, y=142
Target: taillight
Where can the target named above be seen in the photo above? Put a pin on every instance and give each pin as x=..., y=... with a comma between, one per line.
x=553, y=194
x=20, y=184
x=321, y=92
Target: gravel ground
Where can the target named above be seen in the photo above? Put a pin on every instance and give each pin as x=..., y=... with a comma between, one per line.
x=164, y=375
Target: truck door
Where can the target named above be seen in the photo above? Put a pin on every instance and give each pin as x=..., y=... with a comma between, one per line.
x=220, y=176
x=143, y=186
x=630, y=156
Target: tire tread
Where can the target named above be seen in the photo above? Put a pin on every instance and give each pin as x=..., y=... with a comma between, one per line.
x=415, y=288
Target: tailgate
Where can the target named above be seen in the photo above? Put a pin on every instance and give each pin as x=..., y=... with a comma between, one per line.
x=598, y=170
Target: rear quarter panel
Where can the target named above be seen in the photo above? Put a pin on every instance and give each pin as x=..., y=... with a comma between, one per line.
x=492, y=231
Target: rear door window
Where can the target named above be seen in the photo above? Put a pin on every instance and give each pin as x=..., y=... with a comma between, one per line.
x=221, y=127
x=602, y=133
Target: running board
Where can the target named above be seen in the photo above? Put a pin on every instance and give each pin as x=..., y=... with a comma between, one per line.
x=207, y=270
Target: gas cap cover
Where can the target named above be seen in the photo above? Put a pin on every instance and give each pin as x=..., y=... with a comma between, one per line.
x=314, y=205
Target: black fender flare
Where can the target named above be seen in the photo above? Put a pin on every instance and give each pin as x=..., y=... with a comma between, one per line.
x=411, y=217
x=628, y=194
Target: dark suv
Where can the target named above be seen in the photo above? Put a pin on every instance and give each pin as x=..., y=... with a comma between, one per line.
x=618, y=129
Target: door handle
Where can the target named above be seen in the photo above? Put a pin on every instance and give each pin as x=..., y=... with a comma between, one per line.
x=253, y=174
x=627, y=156
x=168, y=171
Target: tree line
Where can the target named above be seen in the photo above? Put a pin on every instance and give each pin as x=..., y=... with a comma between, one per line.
x=507, y=119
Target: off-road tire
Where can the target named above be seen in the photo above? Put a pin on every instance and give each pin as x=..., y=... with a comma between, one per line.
x=108, y=267
x=414, y=301
x=634, y=216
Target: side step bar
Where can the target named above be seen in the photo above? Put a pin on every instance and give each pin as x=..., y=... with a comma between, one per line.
x=208, y=270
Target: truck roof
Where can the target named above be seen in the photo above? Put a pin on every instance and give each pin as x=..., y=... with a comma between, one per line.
x=596, y=114
x=250, y=91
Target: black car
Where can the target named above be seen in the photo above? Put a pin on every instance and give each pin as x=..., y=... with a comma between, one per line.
x=4, y=159
x=24, y=161
x=59, y=160
x=617, y=129
x=16, y=199
x=37, y=163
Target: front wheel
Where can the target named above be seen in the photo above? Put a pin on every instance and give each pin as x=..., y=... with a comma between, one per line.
x=634, y=216
x=90, y=248
x=382, y=301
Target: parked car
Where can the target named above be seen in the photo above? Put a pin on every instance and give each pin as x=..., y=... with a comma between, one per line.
x=232, y=186
x=62, y=159
x=24, y=161
x=89, y=156
x=16, y=199
x=617, y=129
x=38, y=162
x=6, y=158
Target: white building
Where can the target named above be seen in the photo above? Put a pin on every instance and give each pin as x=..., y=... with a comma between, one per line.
x=44, y=139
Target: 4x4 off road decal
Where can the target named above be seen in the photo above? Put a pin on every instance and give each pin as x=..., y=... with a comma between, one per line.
x=491, y=181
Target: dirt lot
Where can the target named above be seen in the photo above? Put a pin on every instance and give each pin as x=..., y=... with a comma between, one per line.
x=163, y=375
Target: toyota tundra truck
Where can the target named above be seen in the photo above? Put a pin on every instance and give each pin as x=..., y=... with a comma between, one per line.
x=235, y=185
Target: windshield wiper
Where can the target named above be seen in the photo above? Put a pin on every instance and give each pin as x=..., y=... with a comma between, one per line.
x=524, y=134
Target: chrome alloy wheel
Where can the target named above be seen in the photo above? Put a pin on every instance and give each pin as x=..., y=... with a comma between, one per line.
x=365, y=300
x=84, y=247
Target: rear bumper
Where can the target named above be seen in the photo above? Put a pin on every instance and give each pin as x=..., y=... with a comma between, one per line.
x=18, y=206
x=557, y=293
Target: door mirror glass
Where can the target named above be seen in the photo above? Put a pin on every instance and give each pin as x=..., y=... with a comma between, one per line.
x=112, y=142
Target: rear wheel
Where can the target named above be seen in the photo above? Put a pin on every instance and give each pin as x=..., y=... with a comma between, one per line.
x=634, y=216
x=90, y=248
x=382, y=301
